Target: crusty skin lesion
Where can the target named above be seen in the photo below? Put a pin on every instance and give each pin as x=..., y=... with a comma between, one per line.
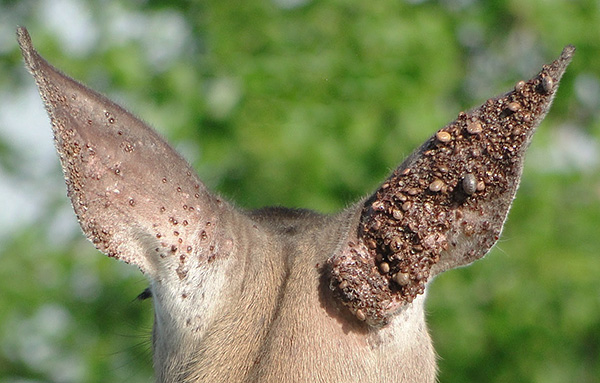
x=457, y=187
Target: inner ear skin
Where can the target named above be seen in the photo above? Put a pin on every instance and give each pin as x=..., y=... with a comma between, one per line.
x=445, y=206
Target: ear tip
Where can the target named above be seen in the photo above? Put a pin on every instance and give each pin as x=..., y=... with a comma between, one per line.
x=566, y=56
x=559, y=66
x=568, y=51
x=22, y=34
x=27, y=49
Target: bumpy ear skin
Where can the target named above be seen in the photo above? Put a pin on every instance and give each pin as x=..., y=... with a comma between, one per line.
x=445, y=206
x=135, y=197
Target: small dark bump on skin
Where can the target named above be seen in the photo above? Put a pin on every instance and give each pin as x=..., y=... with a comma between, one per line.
x=519, y=86
x=361, y=315
x=480, y=186
x=371, y=244
x=443, y=137
x=469, y=184
x=384, y=267
x=474, y=127
x=375, y=225
x=377, y=205
x=547, y=84
x=402, y=278
x=514, y=106
x=436, y=185
x=127, y=147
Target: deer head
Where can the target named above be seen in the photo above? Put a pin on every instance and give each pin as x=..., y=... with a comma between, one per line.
x=291, y=295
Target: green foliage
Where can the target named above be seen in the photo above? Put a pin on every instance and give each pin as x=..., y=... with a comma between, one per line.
x=311, y=104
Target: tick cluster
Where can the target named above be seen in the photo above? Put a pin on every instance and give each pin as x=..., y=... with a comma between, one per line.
x=458, y=185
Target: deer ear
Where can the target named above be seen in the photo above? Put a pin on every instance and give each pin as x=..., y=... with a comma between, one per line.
x=136, y=199
x=445, y=206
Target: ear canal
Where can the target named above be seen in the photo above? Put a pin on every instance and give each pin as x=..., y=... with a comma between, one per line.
x=136, y=199
x=445, y=206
